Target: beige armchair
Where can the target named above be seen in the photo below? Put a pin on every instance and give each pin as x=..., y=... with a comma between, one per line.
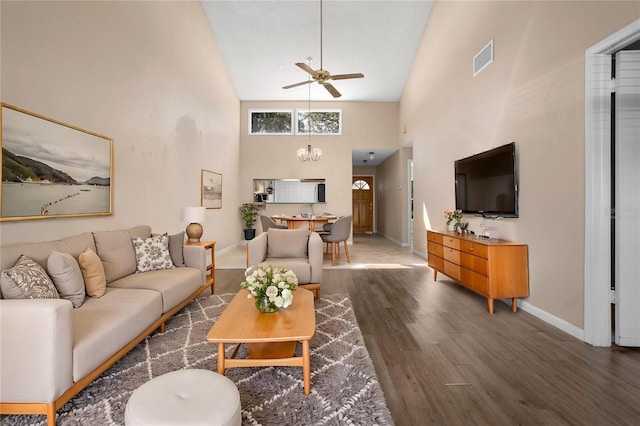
x=296, y=249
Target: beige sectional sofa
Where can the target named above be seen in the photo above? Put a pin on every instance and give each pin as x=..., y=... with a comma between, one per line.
x=50, y=350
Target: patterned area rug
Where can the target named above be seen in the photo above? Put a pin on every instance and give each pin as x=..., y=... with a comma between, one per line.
x=344, y=386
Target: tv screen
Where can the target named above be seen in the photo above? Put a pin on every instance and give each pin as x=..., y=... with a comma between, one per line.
x=486, y=183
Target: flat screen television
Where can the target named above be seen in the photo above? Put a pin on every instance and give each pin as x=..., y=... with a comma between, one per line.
x=487, y=183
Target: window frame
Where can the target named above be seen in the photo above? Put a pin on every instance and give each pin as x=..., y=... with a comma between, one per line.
x=312, y=110
x=291, y=111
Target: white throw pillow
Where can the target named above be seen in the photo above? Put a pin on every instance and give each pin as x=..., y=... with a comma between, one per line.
x=67, y=277
x=152, y=253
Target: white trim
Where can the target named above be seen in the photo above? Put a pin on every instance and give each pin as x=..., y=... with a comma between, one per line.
x=597, y=241
x=550, y=319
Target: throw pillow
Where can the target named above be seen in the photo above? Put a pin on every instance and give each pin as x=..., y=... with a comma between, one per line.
x=291, y=243
x=176, y=248
x=152, y=253
x=67, y=277
x=30, y=280
x=95, y=281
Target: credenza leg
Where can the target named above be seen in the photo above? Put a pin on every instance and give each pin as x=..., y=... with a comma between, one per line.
x=435, y=275
x=514, y=304
x=490, y=305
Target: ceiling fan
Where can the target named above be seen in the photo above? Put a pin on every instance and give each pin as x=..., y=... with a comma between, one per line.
x=321, y=75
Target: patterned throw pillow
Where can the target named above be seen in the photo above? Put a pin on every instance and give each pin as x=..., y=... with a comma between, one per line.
x=30, y=279
x=152, y=253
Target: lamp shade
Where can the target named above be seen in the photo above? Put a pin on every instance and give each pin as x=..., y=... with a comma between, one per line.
x=194, y=214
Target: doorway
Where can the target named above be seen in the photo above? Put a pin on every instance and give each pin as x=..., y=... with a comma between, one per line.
x=362, y=203
x=598, y=191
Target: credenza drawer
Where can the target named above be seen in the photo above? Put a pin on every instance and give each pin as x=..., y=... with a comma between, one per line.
x=434, y=248
x=435, y=262
x=432, y=236
x=452, y=270
x=452, y=255
x=475, y=263
x=452, y=242
x=473, y=248
x=474, y=281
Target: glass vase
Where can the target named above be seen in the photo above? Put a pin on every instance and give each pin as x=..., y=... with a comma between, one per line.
x=264, y=305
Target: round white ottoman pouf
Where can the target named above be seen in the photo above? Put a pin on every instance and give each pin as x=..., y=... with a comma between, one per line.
x=185, y=397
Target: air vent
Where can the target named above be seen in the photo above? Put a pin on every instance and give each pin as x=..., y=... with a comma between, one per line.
x=483, y=58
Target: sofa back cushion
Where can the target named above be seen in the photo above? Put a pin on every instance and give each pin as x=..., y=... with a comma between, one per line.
x=40, y=251
x=115, y=249
x=290, y=243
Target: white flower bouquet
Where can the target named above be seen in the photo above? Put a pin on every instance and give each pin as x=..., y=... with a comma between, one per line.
x=271, y=286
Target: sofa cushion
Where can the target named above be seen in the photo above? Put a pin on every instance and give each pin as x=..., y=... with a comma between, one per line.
x=67, y=277
x=176, y=248
x=300, y=267
x=287, y=242
x=116, y=251
x=27, y=280
x=101, y=327
x=39, y=251
x=174, y=285
x=152, y=253
x=93, y=273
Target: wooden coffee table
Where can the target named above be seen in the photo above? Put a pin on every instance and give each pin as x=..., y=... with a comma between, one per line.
x=269, y=338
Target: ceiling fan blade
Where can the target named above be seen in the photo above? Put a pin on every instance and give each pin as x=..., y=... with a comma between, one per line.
x=298, y=84
x=306, y=68
x=346, y=76
x=334, y=92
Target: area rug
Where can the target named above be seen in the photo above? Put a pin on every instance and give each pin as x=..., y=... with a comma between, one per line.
x=344, y=385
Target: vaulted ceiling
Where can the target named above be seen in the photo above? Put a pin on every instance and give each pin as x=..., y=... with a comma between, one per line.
x=262, y=40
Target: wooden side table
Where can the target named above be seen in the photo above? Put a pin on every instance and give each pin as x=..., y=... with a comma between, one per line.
x=211, y=268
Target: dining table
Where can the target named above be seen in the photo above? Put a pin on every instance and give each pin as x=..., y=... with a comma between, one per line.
x=302, y=221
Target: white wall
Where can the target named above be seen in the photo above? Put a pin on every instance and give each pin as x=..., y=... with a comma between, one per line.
x=149, y=75
x=533, y=94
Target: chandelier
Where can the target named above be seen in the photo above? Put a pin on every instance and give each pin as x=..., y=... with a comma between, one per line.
x=308, y=153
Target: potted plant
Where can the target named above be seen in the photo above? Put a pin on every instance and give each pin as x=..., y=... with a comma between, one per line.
x=249, y=214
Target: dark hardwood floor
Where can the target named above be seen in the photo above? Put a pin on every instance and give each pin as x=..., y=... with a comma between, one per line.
x=442, y=359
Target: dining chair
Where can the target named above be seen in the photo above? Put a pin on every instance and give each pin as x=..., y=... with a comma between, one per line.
x=339, y=232
x=267, y=223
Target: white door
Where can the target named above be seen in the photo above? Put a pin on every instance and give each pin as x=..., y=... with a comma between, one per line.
x=627, y=199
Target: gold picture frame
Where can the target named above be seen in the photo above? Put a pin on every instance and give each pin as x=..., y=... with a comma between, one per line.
x=52, y=169
x=210, y=189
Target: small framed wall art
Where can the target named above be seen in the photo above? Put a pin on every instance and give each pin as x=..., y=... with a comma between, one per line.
x=52, y=169
x=210, y=189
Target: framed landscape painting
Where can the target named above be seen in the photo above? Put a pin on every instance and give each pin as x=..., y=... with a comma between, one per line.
x=52, y=169
x=210, y=189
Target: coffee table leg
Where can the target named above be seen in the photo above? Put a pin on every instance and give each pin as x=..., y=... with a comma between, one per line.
x=221, y=356
x=306, y=366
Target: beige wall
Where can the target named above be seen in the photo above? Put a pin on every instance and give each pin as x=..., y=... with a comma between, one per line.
x=533, y=94
x=365, y=125
x=147, y=74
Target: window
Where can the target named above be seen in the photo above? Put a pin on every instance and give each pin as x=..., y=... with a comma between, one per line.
x=270, y=122
x=361, y=185
x=319, y=122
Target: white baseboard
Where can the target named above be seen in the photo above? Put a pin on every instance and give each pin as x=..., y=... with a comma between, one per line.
x=551, y=319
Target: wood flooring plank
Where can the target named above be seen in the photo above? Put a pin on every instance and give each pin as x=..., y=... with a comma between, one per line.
x=441, y=359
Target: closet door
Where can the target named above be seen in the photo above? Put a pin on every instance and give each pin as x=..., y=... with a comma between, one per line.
x=627, y=196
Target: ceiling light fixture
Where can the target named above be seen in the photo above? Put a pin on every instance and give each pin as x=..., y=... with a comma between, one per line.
x=370, y=155
x=308, y=153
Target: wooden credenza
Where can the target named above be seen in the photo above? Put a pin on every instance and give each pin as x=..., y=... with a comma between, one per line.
x=496, y=269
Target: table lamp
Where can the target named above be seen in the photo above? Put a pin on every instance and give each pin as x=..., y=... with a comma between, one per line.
x=194, y=215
